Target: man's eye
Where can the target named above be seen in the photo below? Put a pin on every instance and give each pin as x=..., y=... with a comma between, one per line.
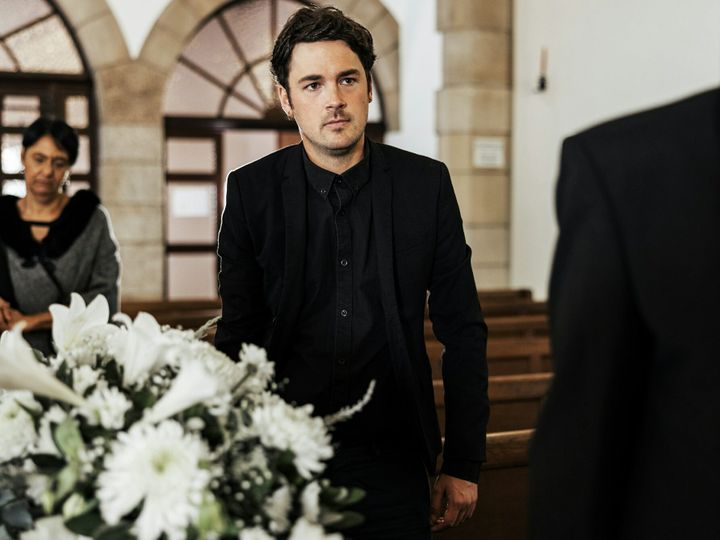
x=348, y=80
x=312, y=86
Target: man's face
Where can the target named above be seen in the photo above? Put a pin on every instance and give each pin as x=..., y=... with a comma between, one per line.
x=328, y=97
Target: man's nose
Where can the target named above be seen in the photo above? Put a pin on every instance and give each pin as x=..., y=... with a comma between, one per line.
x=335, y=97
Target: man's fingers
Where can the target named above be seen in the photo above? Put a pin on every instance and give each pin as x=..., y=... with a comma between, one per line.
x=451, y=514
x=436, y=502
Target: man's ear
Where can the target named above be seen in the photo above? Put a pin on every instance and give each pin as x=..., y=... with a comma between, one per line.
x=369, y=78
x=284, y=99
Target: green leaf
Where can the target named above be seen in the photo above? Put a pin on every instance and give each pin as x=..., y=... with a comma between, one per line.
x=64, y=374
x=16, y=514
x=113, y=373
x=352, y=496
x=210, y=518
x=66, y=480
x=121, y=531
x=68, y=439
x=144, y=399
x=86, y=523
x=47, y=463
x=349, y=519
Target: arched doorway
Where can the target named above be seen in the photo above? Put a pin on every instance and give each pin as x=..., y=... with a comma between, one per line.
x=43, y=71
x=220, y=113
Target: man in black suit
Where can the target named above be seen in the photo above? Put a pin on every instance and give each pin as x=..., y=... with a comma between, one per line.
x=328, y=251
x=628, y=442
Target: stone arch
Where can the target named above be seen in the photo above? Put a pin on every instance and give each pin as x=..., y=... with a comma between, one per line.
x=181, y=18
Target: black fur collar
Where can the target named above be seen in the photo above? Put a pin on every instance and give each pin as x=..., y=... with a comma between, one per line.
x=16, y=234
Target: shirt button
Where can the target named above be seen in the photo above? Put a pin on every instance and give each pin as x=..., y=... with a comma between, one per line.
x=341, y=361
x=343, y=262
x=344, y=312
x=323, y=191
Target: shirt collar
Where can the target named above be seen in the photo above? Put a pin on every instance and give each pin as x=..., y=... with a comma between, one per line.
x=321, y=179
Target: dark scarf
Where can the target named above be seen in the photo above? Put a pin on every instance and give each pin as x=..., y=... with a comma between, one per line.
x=16, y=233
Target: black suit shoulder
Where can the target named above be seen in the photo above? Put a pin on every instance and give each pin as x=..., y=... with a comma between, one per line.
x=684, y=121
x=265, y=172
x=408, y=162
x=417, y=176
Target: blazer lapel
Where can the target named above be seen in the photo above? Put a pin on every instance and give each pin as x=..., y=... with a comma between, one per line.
x=295, y=210
x=382, y=193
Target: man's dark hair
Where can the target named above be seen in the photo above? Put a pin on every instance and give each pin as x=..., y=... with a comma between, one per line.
x=311, y=24
x=64, y=136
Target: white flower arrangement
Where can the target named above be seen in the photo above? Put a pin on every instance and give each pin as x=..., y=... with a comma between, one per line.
x=138, y=431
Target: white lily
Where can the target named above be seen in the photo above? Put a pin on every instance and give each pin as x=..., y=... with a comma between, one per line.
x=138, y=349
x=19, y=370
x=72, y=323
x=193, y=384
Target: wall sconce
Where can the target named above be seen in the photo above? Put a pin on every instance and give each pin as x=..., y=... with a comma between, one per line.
x=541, y=85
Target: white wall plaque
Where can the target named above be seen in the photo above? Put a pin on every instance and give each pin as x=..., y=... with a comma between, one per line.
x=488, y=152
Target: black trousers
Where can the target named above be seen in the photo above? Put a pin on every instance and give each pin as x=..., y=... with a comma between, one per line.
x=397, y=501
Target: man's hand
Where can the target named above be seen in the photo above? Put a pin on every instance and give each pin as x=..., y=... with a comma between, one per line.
x=453, y=501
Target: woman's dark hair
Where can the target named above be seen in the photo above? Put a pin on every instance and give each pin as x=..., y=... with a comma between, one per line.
x=64, y=136
x=311, y=24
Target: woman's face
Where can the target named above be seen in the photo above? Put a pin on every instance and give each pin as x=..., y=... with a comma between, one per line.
x=46, y=167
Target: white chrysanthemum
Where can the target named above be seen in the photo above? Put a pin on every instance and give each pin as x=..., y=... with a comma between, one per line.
x=256, y=533
x=277, y=507
x=107, y=407
x=84, y=377
x=280, y=425
x=310, y=501
x=50, y=528
x=17, y=429
x=259, y=369
x=158, y=466
x=304, y=530
x=45, y=442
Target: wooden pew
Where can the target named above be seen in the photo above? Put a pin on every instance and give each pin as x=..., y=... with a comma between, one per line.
x=501, y=511
x=193, y=313
x=512, y=326
x=189, y=314
x=506, y=309
x=507, y=356
x=515, y=400
x=503, y=295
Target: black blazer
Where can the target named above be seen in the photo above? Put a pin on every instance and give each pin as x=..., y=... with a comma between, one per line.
x=628, y=443
x=420, y=247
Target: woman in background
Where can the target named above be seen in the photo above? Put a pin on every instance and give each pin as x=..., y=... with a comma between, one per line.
x=50, y=244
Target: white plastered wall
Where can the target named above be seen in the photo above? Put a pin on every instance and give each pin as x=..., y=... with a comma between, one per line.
x=606, y=58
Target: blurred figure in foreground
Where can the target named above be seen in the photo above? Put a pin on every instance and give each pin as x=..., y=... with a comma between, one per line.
x=52, y=244
x=628, y=443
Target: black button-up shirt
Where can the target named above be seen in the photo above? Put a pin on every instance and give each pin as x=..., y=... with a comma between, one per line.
x=340, y=342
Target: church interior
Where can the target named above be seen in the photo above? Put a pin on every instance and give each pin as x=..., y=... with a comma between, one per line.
x=169, y=96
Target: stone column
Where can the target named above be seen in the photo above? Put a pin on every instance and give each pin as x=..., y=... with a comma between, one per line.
x=132, y=172
x=473, y=109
